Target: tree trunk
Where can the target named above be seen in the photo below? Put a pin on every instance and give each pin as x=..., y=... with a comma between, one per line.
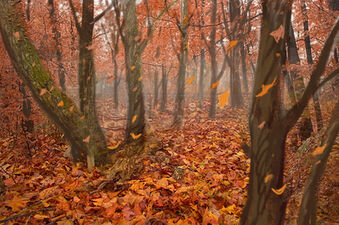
x=178, y=119
x=214, y=66
x=244, y=68
x=57, y=105
x=57, y=35
x=201, y=78
x=307, y=41
x=305, y=126
x=164, y=89
x=235, y=85
x=156, y=88
x=308, y=207
x=116, y=84
x=268, y=134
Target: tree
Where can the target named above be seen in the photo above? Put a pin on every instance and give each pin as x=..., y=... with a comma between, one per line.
x=268, y=124
x=86, y=144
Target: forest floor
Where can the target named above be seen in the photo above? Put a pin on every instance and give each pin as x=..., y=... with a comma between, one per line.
x=197, y=175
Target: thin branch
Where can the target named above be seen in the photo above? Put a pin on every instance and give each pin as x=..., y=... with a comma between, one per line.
x=77, y=24
x=98, y=17
x=328, y=77
x=26, y=214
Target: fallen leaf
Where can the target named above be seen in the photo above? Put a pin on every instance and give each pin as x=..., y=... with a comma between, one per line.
x=40, y=216
x=16, y=203
x=134, y=118
x=265, y=88
x=71, y=108
x=280, y=190
x=61, y=103
x=43, y=91
x=278, y=33
x=17, y=35
x=190, y=80
x=319, y=150
x=215, y=85
x=230, y=209
x=268, y=178
x=223, y=99
x=112, y=147
x=86, y=140
x=135, y=136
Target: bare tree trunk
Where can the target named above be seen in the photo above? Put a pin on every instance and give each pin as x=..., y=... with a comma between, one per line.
x=178, y=119
x=156, y=88
x=57, y=35
x=308, y=207
x=164, y=89
x=116, y=84
x=201, y=78
x=244, y=68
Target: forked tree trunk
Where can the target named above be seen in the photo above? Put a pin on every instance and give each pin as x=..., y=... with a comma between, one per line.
x=178, y=119
x=57, y=105
x=308, y=207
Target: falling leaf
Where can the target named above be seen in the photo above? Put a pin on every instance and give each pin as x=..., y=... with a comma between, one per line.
x=265, y=88
x=268, y=178
x=132, y=68
x=86, y=140
x=82, y=117
x=90, y=47
x=223, y=99
x=190, y=80
x=16, y=34
x=280, y=190
x=43, y=91
x=135, y=136
x=185, y=20
x=134, y=118
x=110, y=79
x=71, y=108
x=319, y=161
x=277, y=54
x=16, y=203
x=260, y=126
x=112, y=147
x=319, y=150
x=278, y=33
x=61, y=103
x=215, y=85
x=140, y=79
x=135, y=89
x=231, y=45
x=186, y=46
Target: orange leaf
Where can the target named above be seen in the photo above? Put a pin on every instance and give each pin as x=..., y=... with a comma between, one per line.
x=61, y=103
x=278, y=34
x=135, y=89
x=140, y=79
x=16, y=203
x=231, y=45
x=86, y=140
x=112, y=147
x=132, y=68
x=71, y=108
x=82, y=117
x=43, y=91
x=16, y=34
x=52, y=88
x=268, y=178
x=215, y=85
x=280, y=190
x=110, y=79
x=135, y=136
x=265, y=88
x=190, y=80
x=134, y=118
x=319, y=150
x=223, y=99
x=260, y=126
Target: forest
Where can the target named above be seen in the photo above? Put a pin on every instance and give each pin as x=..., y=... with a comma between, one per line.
x=169, y=112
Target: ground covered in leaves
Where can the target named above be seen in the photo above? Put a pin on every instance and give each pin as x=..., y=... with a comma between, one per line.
x=194, y=175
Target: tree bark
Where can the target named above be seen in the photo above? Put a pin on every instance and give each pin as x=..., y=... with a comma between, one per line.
x=164, y=89
x=308, y=207
x=201, y=78
x=57, y=35
x=156, y=88
x=57, y=105
x=244, y=68
x=178, y=119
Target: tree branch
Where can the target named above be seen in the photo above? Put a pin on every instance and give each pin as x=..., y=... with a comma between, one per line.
x=77, y=24
x=98, y=17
